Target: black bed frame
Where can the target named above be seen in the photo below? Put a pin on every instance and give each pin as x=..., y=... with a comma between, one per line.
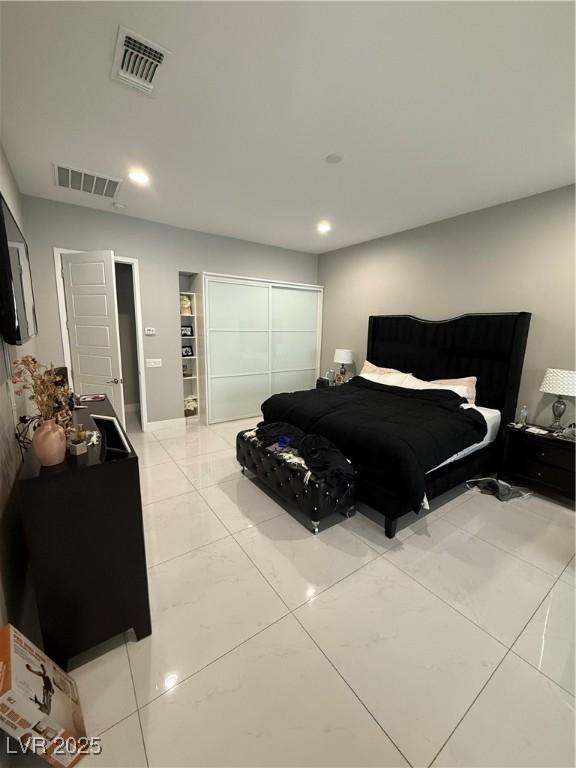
x=488, y=346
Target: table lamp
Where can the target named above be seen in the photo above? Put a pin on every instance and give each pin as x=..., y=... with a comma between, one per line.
x=344, y=357
x=559, y=382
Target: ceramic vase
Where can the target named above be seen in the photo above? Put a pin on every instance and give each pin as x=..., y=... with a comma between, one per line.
x=49, y=443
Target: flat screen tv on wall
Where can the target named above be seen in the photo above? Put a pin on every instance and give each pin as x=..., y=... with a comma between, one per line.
x=17, y=314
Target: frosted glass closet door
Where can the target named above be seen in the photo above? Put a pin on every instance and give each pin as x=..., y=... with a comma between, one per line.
x=294, y=340
x=238, y=324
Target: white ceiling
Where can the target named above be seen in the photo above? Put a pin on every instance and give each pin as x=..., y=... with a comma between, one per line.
x=437, y=109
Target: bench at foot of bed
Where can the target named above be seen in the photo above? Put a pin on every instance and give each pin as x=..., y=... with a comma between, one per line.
x=311, y=495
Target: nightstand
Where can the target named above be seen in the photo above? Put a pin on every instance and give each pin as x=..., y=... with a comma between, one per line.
x=542, y=462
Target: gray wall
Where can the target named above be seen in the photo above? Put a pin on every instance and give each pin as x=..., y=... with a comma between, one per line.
x=518, y=256
x=162, y=251
x=127, y=333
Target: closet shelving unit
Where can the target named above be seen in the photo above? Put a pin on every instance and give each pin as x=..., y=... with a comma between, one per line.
x=189, y=338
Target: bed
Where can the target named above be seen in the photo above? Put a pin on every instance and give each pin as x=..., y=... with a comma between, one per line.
x=396, y=438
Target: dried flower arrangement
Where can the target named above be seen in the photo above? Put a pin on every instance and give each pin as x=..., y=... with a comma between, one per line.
x=48, y=391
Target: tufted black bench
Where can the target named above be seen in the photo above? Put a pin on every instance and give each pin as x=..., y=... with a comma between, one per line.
x=315, y=499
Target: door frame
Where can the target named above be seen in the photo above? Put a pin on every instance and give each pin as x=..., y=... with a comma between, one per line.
x=137, y=316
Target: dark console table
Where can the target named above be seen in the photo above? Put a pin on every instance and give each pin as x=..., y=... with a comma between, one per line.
x=82, y=523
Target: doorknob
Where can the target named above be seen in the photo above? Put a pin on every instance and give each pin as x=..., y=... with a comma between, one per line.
x=113, y=381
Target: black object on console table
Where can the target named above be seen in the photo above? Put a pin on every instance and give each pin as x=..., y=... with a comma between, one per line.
x=82, y=522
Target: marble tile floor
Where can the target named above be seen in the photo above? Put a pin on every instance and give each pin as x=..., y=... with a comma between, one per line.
x=452, y=645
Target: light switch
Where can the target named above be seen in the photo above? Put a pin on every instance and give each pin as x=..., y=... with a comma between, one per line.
x=153, y=362
x=150, y=331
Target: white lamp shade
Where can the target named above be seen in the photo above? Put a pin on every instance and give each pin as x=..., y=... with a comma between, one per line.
x=343, y=356
x=559, y=382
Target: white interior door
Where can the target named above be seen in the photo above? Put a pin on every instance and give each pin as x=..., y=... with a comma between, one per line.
x=92, y=317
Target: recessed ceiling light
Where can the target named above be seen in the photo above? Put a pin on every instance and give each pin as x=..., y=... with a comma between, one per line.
x=324, y=227
x=333, y=159
x=139, y=176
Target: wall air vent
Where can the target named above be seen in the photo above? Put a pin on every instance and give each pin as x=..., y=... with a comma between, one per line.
x=86, y=181
x=137, y=61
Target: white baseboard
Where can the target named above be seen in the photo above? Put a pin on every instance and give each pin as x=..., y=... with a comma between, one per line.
x=152, y=426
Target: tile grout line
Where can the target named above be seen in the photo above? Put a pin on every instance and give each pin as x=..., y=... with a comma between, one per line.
x=378, y=556
x=252, y=525
x=508, y=652
x=469, y=707
x=419, y=522
x=188, y=552
x=169, y=498
x=209, y=663
x=176, y=495
x=506, y=551
x=122, y=719
x=414, y=578
x=229, y=533
x=181, y=682
x=292, y=612
x=234, y=534
x=137, y=707
x=573, y=695
x=572, y=582
x=351, y=689
x=311, y=599
x=446, y=603
x=191, y=458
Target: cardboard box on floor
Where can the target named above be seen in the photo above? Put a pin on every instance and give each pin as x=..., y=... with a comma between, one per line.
x=39, y=702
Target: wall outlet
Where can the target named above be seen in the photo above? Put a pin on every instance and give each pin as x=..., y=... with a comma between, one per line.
x=152, y=362
x=150, y=331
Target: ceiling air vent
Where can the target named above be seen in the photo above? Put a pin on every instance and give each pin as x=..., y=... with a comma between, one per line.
x=137, y=60
x=85, y=181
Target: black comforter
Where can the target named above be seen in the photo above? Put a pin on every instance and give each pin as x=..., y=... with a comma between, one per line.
x=392, y=435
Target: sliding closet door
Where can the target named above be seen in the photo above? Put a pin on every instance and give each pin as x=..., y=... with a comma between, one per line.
x=238, y=341
x=295, y=339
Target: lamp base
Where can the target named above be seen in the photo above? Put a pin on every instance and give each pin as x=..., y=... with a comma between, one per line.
x=341, y=375
x=558, y=408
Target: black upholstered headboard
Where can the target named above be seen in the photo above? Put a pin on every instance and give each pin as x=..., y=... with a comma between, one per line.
x=490, y=347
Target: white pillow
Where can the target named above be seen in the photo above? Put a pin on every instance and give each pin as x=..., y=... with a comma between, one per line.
x=411, y=382
x=391, y=379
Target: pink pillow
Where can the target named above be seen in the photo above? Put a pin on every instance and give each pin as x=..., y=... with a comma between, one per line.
x=468, y=382
x=411, y=382
x=391, y=379
x=369, y=367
